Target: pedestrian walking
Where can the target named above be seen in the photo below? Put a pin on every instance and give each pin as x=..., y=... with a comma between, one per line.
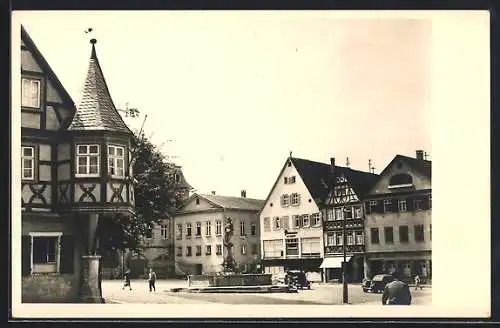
x=396, y=292
x=126, y=277
x=152, y=280
x=417, y=282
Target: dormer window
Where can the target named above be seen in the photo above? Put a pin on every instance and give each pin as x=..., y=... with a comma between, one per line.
x=31, y=93
x=116, y=161
x=87, y=160
x=402, y=180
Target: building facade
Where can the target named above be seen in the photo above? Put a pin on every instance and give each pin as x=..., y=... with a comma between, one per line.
x=290, y=222
x=344, y=201
x=74, y=173
x=158, y=245
x=398, y=222
x=199, y=233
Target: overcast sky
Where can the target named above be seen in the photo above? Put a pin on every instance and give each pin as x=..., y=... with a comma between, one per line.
x=236, y=91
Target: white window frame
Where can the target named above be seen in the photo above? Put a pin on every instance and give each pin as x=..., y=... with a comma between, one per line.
x=164, y=231
x=208, y=250
x=339, y=239
x=115, y=158
x=337, y=212
x=178, y=232
x=218, y=249
x=208, y=228
x=200, y=249
x=198, y=225
x=317, y=219
x=330, y=215
x=28, y=158
x=297, y=219
x=243, y=249
x=218, y=227
x=189, y=230
x=87, y=155
x=27, y=102
x=402, y=208
x=285, y=200
x=242, y=228
x=350, y=239
x=58, y=250
x=306, y=218
x=359, y=236
x=330, y=240
x=387, y=202
x=358, y=212
x=295, y=199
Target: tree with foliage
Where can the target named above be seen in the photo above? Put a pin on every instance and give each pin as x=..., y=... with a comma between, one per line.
x=156, y=198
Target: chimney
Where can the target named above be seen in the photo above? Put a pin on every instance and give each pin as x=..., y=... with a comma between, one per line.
x=243, y=193
x=332, y=167
x=213, y=192
x=420, y=154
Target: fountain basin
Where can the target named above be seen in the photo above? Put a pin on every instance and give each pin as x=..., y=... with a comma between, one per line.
x=213, y=280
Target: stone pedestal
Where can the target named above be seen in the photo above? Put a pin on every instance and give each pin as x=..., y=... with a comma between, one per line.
x=90, y=291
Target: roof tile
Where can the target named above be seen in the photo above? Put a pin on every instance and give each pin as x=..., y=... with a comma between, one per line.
x=96, y=110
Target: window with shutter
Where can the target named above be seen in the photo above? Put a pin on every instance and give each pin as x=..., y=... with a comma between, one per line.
x=26, y=255
x=67, y=254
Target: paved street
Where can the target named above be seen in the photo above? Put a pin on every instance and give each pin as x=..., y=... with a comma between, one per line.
x=320, y=294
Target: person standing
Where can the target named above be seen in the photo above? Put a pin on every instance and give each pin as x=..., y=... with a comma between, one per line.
x=417, y=282
x=396, y=292
x=152, y=280
x=126, y=277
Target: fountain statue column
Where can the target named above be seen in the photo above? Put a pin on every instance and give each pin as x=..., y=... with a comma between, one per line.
x=229, y=264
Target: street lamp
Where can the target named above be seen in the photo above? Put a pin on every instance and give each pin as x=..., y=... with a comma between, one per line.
x=345, y=201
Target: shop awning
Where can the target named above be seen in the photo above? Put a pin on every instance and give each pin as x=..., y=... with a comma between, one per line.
x=333, y=262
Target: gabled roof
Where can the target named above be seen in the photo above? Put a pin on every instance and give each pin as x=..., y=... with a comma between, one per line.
x=316, y=177
x=30, y=44
x=235, y=203
x=229, y=202
x=421, y=166
x=360, y=181
x=96, y=110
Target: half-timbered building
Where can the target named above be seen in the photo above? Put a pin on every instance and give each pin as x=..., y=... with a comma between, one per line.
x=75, y=172
x=343, y=223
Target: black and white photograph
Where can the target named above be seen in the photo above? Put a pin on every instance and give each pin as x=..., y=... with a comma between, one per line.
x=250, y=163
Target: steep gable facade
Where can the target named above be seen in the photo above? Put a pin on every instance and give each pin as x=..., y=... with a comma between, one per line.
x=290, y=221
x=344, y=206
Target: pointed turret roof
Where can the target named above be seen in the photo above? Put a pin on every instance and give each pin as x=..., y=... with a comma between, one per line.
x=96, y=110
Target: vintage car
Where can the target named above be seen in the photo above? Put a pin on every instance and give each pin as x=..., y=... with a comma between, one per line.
x=377, y=284
x=297, y=279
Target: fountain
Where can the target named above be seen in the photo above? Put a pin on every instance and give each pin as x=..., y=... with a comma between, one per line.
x=230, y=281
